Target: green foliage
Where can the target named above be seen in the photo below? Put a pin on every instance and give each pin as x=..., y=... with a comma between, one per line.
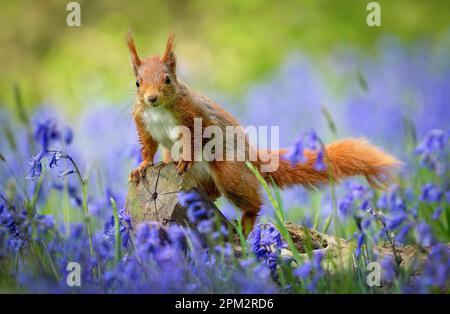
x=222, y=45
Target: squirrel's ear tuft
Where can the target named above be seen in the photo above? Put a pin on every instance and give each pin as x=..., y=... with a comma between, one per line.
x=135, y=61
x=169, y=56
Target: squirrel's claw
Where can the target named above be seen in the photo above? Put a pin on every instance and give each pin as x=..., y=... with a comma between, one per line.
x=139, y=173
x=183, y=166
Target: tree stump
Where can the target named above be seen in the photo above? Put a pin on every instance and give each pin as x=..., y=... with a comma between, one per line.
x=155, y=198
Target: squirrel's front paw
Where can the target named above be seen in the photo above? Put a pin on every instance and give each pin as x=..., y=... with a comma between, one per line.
x=137, y=174
x=183, y=166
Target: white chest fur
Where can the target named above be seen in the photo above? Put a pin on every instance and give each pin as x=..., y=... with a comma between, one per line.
x=160, y=123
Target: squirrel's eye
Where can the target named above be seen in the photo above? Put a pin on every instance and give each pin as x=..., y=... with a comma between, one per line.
x=167, y=80
x=137, y=83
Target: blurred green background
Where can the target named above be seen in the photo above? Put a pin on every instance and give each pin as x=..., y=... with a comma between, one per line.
x=221, y=45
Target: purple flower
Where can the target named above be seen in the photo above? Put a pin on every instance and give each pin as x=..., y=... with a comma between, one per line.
x=303, y=271
x=295, y=154
x=35, y=166
x=359, y=244
x=56, y=157
x=394, y=222
x=68, y=136
x=388, y=267
x=431, y=150
x=307, y=140
x=320, y=163
x=125, y=228
x=431, y=193
x=66, y=173
x=312, y=270
x=45, y=134
x=345, y=205
x=266, y=235
x=424, y=235
x=266, y=243
x=437, y=213
x=404, y=231
x=202, y=215
x=436, y=270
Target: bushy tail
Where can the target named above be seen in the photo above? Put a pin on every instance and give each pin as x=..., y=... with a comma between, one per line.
x=345, y=158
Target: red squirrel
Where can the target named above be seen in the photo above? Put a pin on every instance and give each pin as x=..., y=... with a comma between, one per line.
x=163, y=101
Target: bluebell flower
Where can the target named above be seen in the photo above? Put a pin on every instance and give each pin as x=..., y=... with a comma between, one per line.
x=430, y=192
x=320, y=165
x=431, y=150
x=437, y=213
x=403, y=233
x=202, y=215
x=17, y=226
x=304, y=270
x=307, y=140
x=311, y=269
x=226, y=249
x=359, y=244
x=266, y=243
x=436, y=269
x=365, y=223
x=44, y=223
x=395, y=221
x=35, y=166
x=345, y=204
x=197, y=208
x=205, y=227
x=68, y=136
x=424, y=235
x=125, y=228
x=382, y=202
x=388, y=269
x=357, y=197
x=392, y=200
x=45, y=133
x=56, y=157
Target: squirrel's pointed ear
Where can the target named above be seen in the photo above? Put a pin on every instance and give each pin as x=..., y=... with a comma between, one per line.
x=135, y=61
x=169, y=56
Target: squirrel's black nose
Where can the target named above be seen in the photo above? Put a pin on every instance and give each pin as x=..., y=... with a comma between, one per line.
x=152, y=98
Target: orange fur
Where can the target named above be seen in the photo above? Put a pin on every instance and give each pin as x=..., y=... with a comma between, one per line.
x=232, y=179
x=344, y=158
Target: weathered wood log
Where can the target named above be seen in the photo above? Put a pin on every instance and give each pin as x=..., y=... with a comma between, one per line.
x=155, y=198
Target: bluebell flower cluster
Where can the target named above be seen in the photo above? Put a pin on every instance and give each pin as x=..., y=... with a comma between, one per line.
x=125, y=228
x=358, y=197
x=311, y=271
x=19, y=225
x=433, y=150
x=307, y=140
x=202, y=215
x=266, y=243
x=388, y=267
x=46, y=133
